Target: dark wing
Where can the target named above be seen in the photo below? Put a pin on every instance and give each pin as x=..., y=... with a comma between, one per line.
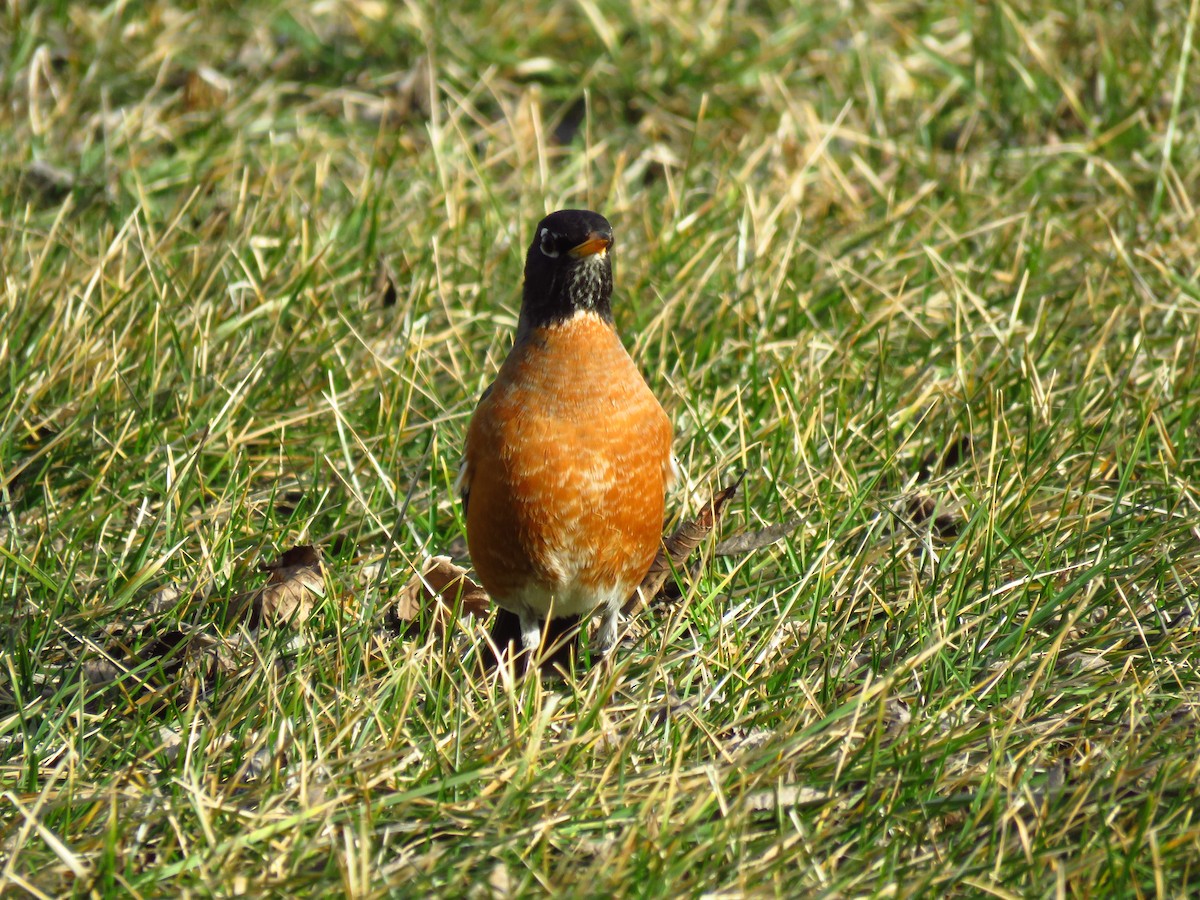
x=462, y=484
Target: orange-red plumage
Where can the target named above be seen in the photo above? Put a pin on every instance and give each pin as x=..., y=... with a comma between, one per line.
x=568, y=458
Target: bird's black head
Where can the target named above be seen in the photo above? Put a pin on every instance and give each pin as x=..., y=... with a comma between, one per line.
x=568, y=269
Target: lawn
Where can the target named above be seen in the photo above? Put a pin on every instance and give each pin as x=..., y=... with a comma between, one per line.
x=925, y=272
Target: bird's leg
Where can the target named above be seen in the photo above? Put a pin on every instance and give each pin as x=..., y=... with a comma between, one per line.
x=531, y=633
x=606, y=634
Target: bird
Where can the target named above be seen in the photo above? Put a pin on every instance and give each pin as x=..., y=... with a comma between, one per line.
x=568, y=454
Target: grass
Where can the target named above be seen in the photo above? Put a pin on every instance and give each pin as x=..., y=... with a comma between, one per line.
x=927, y=272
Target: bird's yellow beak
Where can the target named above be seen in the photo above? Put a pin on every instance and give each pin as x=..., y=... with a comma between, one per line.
x=595, y=243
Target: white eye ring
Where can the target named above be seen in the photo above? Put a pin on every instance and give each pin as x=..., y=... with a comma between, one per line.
x=546, y=243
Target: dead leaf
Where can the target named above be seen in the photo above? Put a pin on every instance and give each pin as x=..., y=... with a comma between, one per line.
x=896, y=716
x=170, y=742
x=99, y=673
x=163, y=600
x=436, y=591
x=750, y=541
x=676, y=549
x=783, y=797
x=740, y=740
x=205, y=88
x=672, y=707
x=294, y=588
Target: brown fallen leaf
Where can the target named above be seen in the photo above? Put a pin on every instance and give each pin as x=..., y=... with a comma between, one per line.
x=205, y=88
x=749, y=541
x=100, y=673
x=676, y=548
x=785, y=796
x=295, y=586
x=163, y=600
x=741, y=740
x=436, y=590
x=896, y=716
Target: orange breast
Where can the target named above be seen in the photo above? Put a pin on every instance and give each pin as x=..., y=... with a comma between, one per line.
x=567, y=464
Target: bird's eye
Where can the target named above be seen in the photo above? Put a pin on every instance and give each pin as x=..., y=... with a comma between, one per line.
x=546, y=243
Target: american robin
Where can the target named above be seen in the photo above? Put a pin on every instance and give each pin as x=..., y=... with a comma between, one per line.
x=568, y=455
